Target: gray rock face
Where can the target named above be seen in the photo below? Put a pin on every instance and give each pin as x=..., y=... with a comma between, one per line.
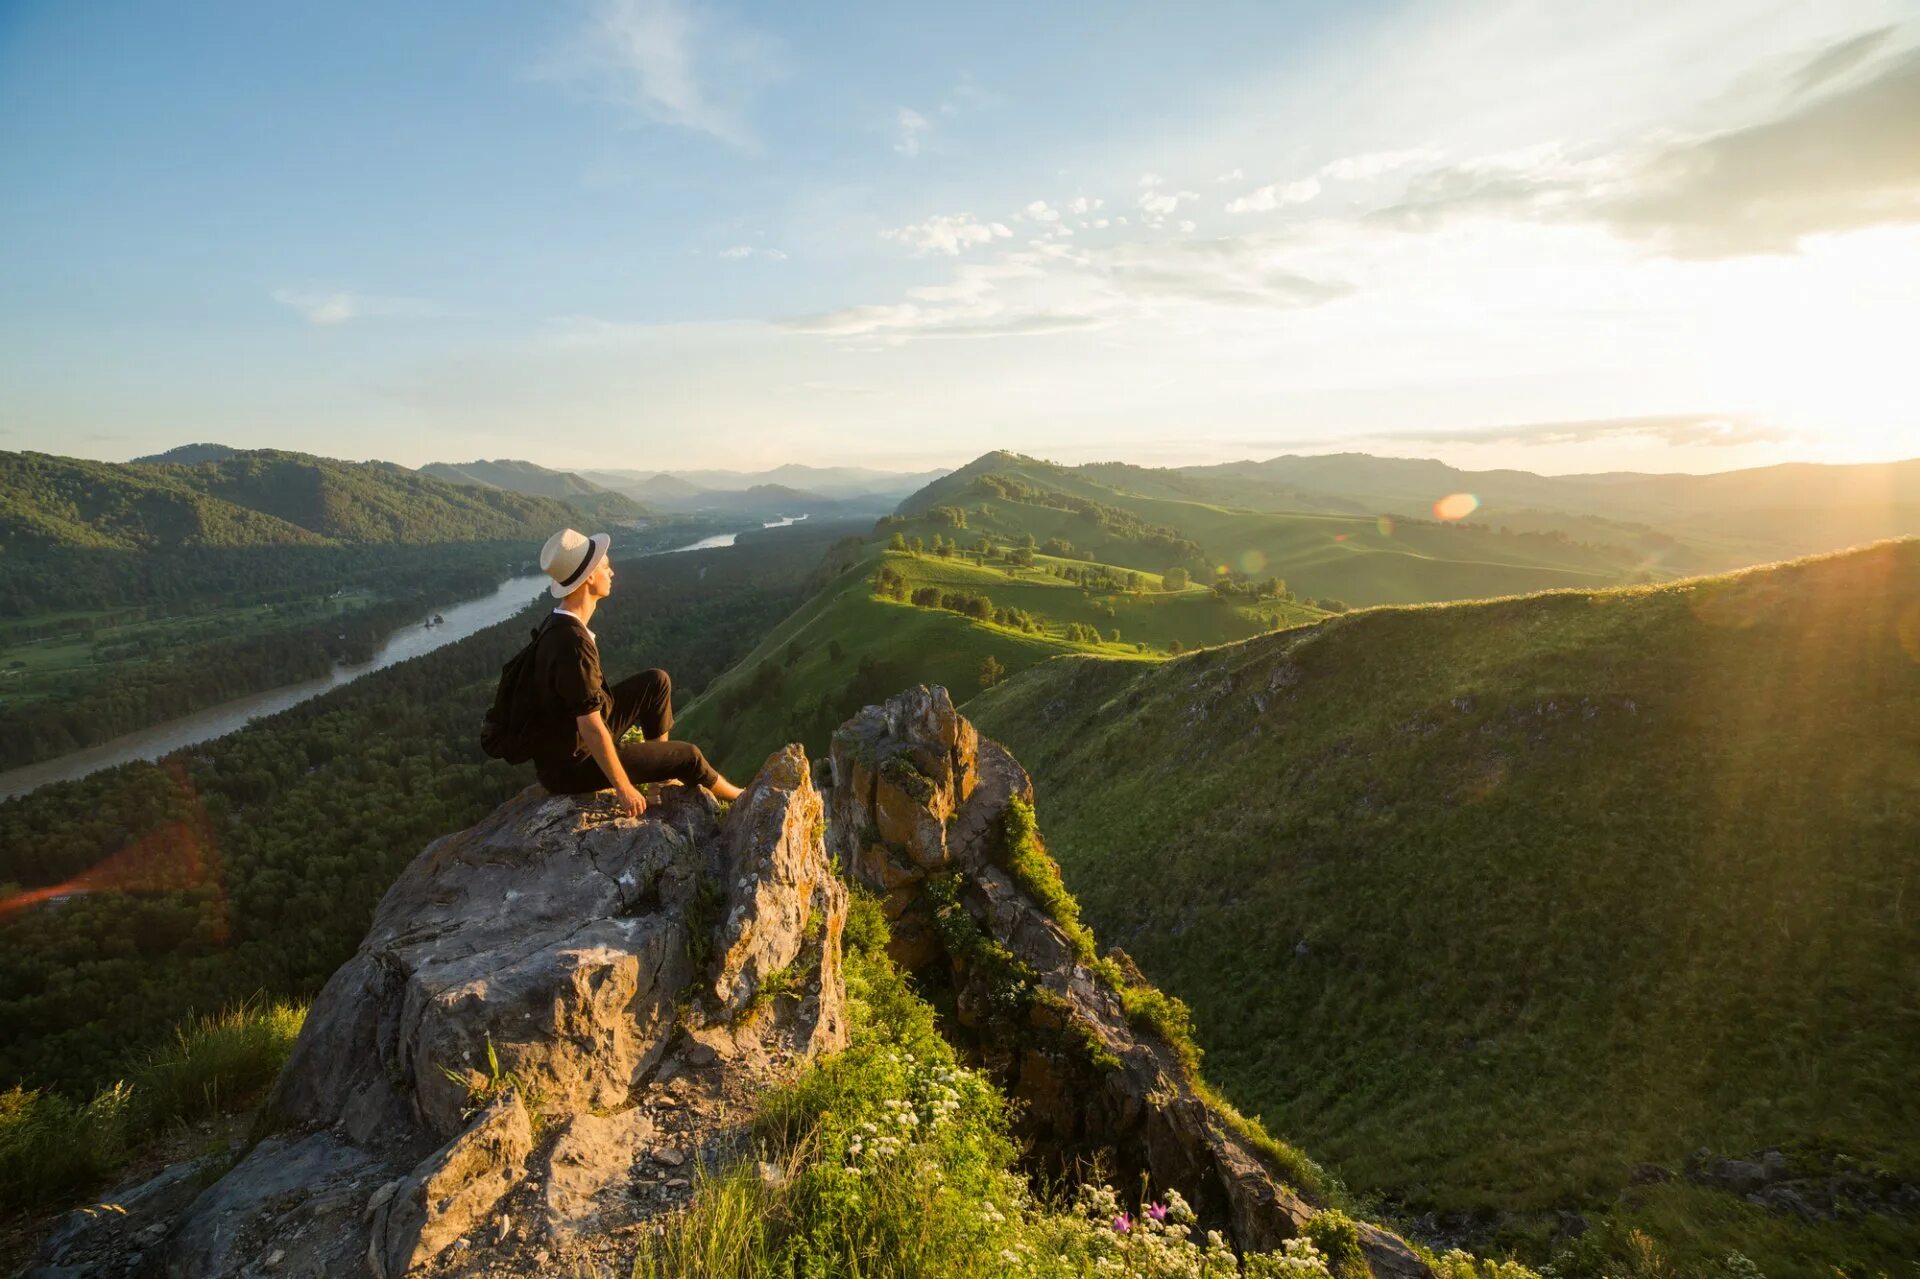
x=919, y=806
x=537, y=998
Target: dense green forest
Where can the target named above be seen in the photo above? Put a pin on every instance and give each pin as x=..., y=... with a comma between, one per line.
x=253, y=863
x=75, y=678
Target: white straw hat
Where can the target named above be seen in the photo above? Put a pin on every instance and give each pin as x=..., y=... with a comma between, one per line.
x=569, y=557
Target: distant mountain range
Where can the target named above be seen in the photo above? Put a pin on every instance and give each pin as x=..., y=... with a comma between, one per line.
x=1680, y=523
x=538, y=481
x=262, y=497
x=792, y=489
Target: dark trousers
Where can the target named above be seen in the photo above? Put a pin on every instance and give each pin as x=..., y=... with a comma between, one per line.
x=644, y=701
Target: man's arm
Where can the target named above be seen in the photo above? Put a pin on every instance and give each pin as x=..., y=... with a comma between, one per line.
x=600, y=744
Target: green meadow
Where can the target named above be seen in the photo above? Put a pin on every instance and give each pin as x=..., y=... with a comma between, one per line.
x=851, y=645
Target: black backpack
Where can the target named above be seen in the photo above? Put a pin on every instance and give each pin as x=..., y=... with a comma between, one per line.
x=504, y=734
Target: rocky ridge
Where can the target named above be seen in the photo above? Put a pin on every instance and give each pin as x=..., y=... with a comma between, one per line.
x=921, y=813
x=560, y=1015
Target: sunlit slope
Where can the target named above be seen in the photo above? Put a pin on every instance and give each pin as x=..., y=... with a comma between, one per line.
x=1357, y=559
x=797, y=686
x=1487, y=902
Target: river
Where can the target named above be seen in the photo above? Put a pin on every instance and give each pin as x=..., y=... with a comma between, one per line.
x=726, y=539
x=459, y=621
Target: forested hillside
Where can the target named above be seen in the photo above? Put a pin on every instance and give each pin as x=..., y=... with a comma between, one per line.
x=259, y=497
x=1506, y=908
x=591, y=500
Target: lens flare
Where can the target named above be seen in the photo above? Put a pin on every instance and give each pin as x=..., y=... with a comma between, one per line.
x=1252, y=562
x=1455, y=506
x=1385, y=525
x=1339, y=537
x=171, y=856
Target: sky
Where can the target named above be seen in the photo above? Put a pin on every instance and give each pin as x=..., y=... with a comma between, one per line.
x=660, y=233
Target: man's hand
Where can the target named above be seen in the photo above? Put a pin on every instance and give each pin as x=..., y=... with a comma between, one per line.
x=599, y=743
x=631, y=800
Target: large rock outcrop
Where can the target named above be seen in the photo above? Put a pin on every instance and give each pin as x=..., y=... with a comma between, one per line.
x=559, y=1014
x=556, y=1014
x=921, y=810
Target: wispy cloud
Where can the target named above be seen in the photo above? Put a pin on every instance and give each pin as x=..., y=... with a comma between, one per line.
x=1374, y=164
x=339, y=306
x=950, y=234
x=1847, y=160
x=909, y=127
x=1160, y=203
x=690, y=69
x=1838, y=161
x=739, y=251
x=1049, y=287
x=1683, y=430
x=1275, y=195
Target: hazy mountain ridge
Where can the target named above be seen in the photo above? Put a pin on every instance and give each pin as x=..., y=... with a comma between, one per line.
x=1672, y=523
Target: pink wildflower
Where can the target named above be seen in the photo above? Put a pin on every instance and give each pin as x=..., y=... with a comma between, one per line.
x=1157, y=1211
x=1122, y=1224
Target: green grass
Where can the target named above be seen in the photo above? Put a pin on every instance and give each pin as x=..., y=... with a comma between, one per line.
x=53, y=1148
x=891, y=1160
x=847, y=647
x=1486, y=903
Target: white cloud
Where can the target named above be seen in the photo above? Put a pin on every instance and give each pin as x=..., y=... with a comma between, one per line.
x=693, y=70
x=1232, y=175
x=1161, y=203
x=1100, y=224
x=1040, y=211
x=1189, y=227
x=338, y=306
x=1053, y=287
x=1083, y=204
x=1275, y=195
x=909, y=127
x=951, y=234
x=1373, y=164
x=749, y=251
x=1151, y=180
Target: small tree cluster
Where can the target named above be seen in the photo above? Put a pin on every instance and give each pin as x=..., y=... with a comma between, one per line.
x=966, y=603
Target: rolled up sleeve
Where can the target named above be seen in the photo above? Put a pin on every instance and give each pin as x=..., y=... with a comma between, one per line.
x=577, y=686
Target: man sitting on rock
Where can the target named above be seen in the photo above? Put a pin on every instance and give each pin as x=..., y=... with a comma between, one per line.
x=578, y=722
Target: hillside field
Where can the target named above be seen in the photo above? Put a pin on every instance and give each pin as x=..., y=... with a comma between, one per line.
x=849, y=645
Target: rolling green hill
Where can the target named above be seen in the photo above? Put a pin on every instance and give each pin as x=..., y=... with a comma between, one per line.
x=1355, y=559
x=854, y=643
x=1489, y=904
x=256, y=498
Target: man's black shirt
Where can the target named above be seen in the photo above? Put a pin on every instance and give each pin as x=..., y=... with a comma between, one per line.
x=567, y=684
